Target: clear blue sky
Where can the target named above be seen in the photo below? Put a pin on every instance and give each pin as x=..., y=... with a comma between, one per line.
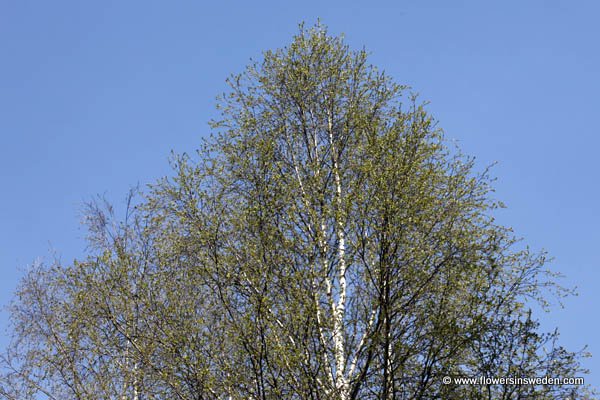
x=94, y=96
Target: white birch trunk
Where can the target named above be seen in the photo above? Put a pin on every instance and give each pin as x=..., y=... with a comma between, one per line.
x=339, y=310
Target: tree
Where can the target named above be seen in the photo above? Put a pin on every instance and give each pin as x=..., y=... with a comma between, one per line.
x=326, y=244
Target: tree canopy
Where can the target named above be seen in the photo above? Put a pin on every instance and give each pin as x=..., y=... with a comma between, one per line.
x=326, y=243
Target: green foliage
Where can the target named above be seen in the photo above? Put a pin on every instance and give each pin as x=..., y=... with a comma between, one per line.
x=325, y=244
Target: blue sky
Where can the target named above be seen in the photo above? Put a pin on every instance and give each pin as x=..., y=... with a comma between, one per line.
x=95, y=95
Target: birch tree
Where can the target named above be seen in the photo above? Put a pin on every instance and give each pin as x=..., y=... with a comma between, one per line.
x=325, y=243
